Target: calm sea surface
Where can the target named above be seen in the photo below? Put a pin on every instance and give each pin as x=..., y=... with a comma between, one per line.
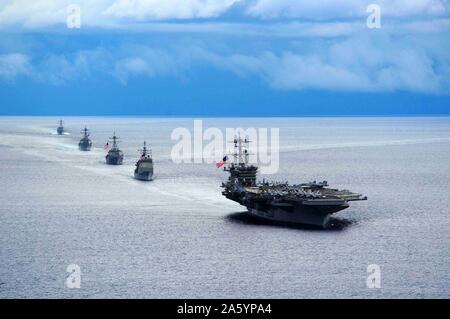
x=178, y=237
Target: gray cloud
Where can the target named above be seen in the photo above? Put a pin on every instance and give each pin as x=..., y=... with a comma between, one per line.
x=356, y=63
x=149, y=62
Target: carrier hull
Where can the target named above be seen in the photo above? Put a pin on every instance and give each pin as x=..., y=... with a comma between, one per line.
x=301, y=215
x=312, y=212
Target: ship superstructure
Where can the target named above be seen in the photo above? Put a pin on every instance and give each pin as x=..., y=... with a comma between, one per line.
x=85, y=143
x=115, y=155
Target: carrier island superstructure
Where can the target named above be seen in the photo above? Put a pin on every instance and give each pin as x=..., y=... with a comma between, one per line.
x=308, y=203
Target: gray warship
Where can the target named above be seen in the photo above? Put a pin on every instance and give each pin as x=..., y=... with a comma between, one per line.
x=309, y=204
x=115, y=155
x=60, y=129
x=144, y=166
x=85, y=143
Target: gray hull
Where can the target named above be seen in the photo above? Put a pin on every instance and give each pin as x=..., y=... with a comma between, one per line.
x=300, y=218
x=114, y=160
x=308, y=213
x=114, y=157
x=144, y=167
x=85, y=145
x=144, y=176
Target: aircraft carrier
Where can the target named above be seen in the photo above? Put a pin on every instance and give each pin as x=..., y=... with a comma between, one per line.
x=308, y=204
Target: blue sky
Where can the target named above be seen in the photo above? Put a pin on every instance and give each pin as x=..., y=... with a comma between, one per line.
x=224, y=58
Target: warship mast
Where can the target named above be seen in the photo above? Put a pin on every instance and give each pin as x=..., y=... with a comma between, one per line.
x=85, y=132
x=114, y=139
x=144, y=151
x=240, y=155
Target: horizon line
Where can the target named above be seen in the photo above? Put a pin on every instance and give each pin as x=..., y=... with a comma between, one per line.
x=228, y=116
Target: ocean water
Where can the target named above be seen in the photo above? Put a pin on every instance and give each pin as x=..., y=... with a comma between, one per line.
x=177, y=237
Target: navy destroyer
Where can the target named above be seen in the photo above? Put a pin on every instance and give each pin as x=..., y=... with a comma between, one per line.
x=85, y=143
x=308, y=203
x=144, y=166
x=115, y=155
x=60, y=129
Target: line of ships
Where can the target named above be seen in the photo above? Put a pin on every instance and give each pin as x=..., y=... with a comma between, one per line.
x=307, y=204
x=144, y=166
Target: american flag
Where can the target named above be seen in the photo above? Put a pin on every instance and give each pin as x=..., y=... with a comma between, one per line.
x=222, y=162
x=106, y=146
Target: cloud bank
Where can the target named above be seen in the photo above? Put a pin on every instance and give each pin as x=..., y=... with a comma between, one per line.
x=355, y=64
x=13, y=65
x=168, y=9
x=310, y=45
x=334, y=9
x=106, y=13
